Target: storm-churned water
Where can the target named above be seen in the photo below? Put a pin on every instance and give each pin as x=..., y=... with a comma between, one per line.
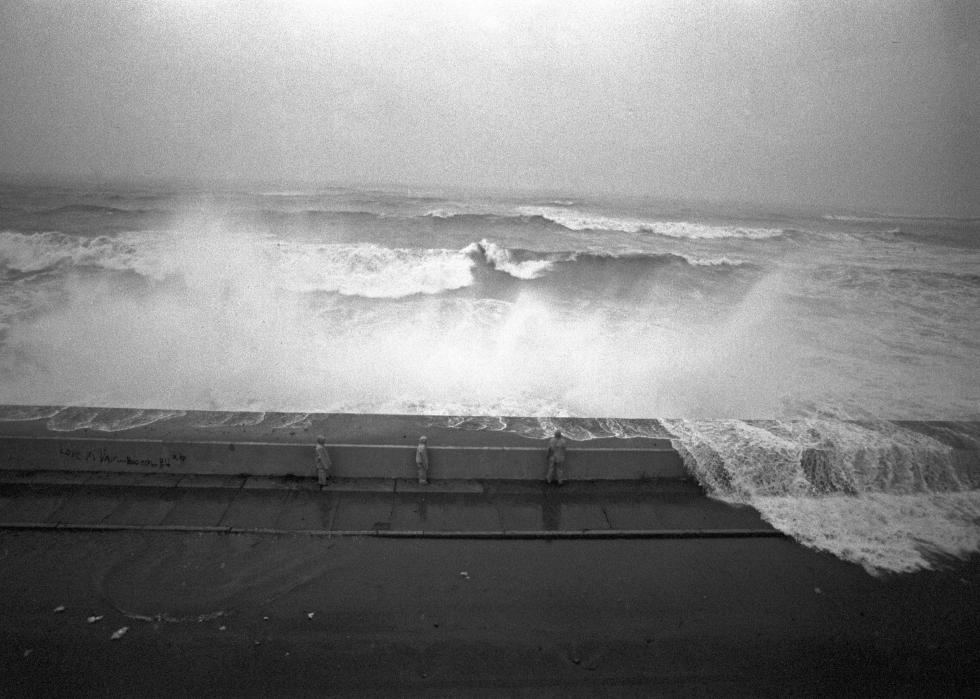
x=419, y=302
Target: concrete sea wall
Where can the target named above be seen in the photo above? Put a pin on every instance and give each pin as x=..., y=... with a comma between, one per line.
x=279, y=444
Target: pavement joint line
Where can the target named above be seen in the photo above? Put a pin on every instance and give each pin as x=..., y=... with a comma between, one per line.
x=177, y=481
x=605, y=516
x=334, y=506
x=486, y=485
x=238, y=491
x=500, y=513
x=413, y=534
x=28, y=525
x=99, y=527
x=184, y=528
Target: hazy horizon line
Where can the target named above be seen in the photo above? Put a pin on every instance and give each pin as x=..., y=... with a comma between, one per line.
x=231, y=183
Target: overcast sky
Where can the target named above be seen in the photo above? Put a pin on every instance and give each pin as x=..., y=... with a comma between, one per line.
x=866, y=104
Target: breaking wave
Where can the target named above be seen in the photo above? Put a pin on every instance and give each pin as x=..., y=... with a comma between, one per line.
x=886, y=495
x=368, y=270
x=28, y=253
x=560, y=217
x=580, y=221
x=93, y=209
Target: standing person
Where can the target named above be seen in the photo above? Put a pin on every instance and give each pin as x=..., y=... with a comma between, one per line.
x=422, y=461
x=556, y=459
x=322, y=462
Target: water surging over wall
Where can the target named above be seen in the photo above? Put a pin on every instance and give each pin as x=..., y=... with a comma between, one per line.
x=888, y=496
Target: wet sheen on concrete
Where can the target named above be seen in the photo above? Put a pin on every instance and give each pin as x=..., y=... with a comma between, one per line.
x=367, y=505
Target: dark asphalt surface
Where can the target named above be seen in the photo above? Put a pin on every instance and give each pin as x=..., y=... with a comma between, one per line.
x=381, y=506
x=210, y=614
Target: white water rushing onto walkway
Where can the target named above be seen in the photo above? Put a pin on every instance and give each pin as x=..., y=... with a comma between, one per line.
x=888, y=497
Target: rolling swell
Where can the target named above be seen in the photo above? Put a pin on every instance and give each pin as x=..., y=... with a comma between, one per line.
x=88, y=209
x=577, y=273
x=567, y=219
x=485, y=221
x=371, y=270
x=31, y=253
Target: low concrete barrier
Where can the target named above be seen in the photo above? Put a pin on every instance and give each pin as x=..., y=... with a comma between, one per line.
x=349, y=460
x=280, y=444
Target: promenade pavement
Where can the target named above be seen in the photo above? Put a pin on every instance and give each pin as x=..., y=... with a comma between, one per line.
x=663, y=508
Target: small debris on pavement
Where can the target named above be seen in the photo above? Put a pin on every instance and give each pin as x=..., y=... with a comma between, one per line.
x=93, y=619
x=465, y=574
x=119, y=633
x=222, y=628
x=28, y=652
x=818, y=590
x=59, y=609
x=310, y=615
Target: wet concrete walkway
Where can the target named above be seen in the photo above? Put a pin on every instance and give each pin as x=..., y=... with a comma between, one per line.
x=369, y=507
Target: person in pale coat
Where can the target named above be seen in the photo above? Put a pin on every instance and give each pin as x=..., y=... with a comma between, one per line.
x=422, y=461
x=322, y=462
x=556, y=459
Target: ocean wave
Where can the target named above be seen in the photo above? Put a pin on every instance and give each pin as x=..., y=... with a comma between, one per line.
x=107, y=419
x=476, y=221
x=88, y=209
x=530, y=264
x=362, y=269
x=20, y=413
x=367, y=270
x=568, y=219
x=540, y=419
x=580, y=221
x=441, y=213
x=855, y=219
x=373, y=271
x=907, y=279
x=486, y=268
x=884, y=217
x=936, y=279
x=28, y=253
x=505, y=260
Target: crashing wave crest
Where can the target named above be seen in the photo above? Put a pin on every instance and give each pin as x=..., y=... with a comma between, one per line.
x=579, y=221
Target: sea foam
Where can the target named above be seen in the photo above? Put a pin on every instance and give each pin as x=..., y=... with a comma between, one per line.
x=579, y=221
x=886, y=497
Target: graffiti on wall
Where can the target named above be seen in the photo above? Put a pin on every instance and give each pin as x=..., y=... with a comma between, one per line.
x=101, y=455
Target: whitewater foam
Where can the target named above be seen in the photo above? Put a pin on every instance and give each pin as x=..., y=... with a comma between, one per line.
x=581, y=221
x=141, y=252
x=370, y=270
x=107, y=419
x=502, y=260
x=441, y=213
x=888, y=499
